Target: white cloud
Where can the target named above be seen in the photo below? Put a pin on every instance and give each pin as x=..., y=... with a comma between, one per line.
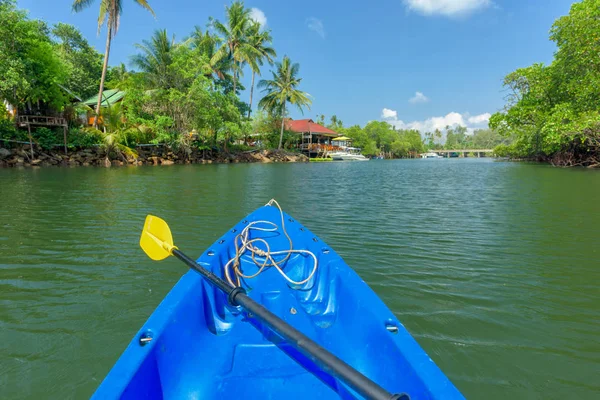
x=316, y=25
x=259, y=16
x=452, y=120
x=431, y=124
x=386, y=113
x=447, y=8
x=480, y=119
x=418, y=98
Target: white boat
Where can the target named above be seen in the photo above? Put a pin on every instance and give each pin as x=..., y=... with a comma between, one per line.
x=431, y=155
x=349, y=154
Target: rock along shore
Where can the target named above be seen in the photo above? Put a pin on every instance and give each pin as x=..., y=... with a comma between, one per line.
x=21, y=157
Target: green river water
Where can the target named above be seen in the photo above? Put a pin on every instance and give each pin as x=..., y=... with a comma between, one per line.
x=493, y=267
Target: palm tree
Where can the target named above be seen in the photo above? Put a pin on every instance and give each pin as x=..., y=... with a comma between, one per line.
x=110, y=11
x=207, y=44
x=336, y=124
x=283, y=89
x=118, y=77
x=156, y=58
x=260, y=40
x=235, y=44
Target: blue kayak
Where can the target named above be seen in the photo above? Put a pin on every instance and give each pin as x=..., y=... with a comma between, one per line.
x=195, y=345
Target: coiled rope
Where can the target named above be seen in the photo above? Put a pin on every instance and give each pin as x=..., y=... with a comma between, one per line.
x=243, y=244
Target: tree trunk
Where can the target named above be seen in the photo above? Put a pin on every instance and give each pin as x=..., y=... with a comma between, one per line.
x=251, y=93
x=104, y=68
x=234, y=77
x=282, y=124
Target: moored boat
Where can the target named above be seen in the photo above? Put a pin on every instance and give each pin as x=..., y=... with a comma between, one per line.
x=348, y=154
x=431, y=155
x=200, y=344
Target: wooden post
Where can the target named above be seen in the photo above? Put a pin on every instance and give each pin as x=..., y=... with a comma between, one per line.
x=30, y=139
x=65, y=137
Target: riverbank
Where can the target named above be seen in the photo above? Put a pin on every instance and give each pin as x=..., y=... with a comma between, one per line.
x=22, y=157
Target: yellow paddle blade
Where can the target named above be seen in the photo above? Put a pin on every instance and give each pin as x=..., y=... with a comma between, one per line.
x=156, y=240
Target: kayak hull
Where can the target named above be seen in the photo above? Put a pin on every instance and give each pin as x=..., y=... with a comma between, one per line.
x=196, y=346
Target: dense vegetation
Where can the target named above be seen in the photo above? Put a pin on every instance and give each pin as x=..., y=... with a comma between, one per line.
x=381, y=138
x=552, y=110
x=183, y=92
x=186, y=93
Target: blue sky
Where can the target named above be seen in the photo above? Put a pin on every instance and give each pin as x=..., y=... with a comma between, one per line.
x=415, y=63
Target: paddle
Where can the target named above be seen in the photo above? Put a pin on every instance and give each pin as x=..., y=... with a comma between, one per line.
x=157, y=243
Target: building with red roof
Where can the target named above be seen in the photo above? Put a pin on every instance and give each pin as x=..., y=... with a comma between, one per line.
x=314, y=138
x=309, y=126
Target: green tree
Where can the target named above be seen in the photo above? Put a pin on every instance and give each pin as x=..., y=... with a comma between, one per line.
x=117, y=77
x=361, y=139
x=283, y=89
x=156, y=59
x=320, y=119
x=206, y=45
x=429, y=140
x=415, y=141
x=260, y=40
x=400, y=148
x=110, y=11
x=408, y=143
x=236, y=44
x=83, y=62
x=381, y=133
x=576, y=77
x=552, y=111
x=30, y=69
x=487, y=139
x=335, y=124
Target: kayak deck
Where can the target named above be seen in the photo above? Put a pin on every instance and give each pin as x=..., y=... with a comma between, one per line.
x=202, y=348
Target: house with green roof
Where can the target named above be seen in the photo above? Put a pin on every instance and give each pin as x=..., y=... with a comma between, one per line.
x=109, y=98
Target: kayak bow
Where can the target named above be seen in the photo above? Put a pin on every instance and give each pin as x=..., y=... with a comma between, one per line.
x=209, y=339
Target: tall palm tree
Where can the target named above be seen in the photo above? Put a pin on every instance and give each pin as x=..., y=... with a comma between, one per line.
x=208, y=44
x=260, y=40
x=283, y=89
x=235, y=44
x=156, y=58
x=110, y=11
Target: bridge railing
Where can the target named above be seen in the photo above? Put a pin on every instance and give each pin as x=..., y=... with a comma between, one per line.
x=464, y=151
x=25, y=120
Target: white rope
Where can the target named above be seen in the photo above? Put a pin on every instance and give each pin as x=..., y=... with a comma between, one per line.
x=243, y=243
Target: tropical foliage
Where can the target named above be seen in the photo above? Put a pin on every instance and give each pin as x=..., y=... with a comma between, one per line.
x=176, y=90
x=552, y=110
x=458, y=138
x=283, y=89
x=380, y=138
x=261, y=41
x=236, y=45
x=30, y=67
x=110, y=12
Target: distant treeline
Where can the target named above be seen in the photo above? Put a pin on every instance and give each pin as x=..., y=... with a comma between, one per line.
x=381, y=138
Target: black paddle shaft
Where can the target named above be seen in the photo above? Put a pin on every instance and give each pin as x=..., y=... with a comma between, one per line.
x=237, y=297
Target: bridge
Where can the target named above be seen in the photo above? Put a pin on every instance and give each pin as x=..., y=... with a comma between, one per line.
x=465, y=152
